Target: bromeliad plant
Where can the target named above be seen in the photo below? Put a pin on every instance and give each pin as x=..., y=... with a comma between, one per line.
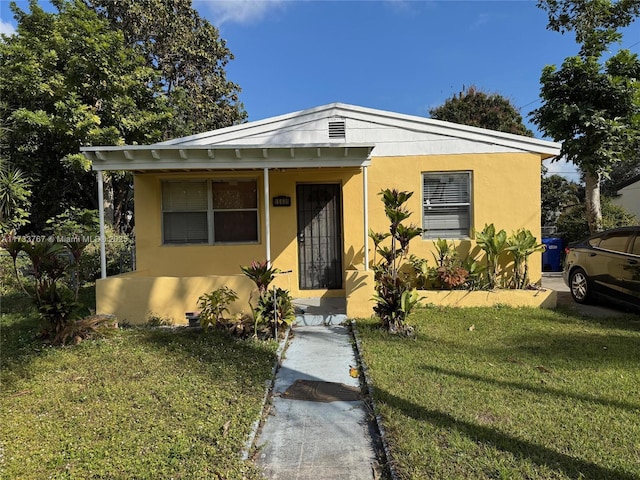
x=394, y=297
x=274, y=308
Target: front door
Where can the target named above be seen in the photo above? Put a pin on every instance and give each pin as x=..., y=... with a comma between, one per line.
x=319, y=236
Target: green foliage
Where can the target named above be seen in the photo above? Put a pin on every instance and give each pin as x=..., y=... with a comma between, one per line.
x=595, y=23
x=68, y=79
x=493, y=244
x=274, y=307
x=593, y=108
x=390, y=285
x=474, y=107
x=196, y=86
x=274, y=311
x=572, y=224
x=156, y=320
x=420, y=271
x=214, y=305
x=261, y=273
x=44, y=279
x=522, y=244
x=558, y=193
x=15, y=190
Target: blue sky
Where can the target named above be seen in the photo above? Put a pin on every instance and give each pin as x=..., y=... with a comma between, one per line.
x=397, y=55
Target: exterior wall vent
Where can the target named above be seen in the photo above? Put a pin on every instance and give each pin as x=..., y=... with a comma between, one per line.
x=337, y=128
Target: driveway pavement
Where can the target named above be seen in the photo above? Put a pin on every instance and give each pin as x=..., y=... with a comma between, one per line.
x=554, y=281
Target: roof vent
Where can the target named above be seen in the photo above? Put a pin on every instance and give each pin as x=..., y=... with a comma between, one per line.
x=337, y=128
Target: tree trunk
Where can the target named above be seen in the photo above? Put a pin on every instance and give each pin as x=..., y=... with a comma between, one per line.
x=592, y=197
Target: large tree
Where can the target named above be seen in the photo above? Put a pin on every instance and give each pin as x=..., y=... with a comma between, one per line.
x=590, y=105
x=477, y=108
x=190, y=56
x=68, y=79
x=558, y=194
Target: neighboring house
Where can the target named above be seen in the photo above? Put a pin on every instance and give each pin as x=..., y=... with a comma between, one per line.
x=302, y=191
x=629, y=196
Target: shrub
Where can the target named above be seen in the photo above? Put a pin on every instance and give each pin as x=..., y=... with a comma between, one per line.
x=214, y=305
x=572, y=224
x=392, y=287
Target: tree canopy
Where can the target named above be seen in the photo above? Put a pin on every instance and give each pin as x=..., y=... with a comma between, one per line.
x=120, y=73
x=67, y=79
x=558, y=193
x=591, y=106
x=476, y=108
x=189, y=55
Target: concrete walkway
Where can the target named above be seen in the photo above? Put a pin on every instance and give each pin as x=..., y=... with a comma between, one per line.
x=304, y=439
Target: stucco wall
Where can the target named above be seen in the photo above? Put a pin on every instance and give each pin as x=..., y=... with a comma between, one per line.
x=505, y=191
x=185, y=260
x=629, y=198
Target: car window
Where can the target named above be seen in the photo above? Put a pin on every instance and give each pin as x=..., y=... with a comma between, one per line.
x=616, y=242
x=594, y=241
x=636, y=246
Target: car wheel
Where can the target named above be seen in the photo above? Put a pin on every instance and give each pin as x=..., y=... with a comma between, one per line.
x=579, y=286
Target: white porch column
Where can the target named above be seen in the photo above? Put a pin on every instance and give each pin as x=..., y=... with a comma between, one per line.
x=103, y=255
x=365, y=194
x=267, y=216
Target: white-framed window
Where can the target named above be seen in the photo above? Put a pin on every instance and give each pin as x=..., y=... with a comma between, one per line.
x=446, y=204
x=209, y=211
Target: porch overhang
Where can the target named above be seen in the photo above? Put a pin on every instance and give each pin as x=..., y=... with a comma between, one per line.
x=235, y=157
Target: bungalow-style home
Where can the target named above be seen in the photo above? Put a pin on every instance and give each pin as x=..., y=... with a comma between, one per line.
x=301, y=190
x=629, y=196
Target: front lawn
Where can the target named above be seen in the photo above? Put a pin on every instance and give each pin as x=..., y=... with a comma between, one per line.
x=140, y=403
x=509, y=393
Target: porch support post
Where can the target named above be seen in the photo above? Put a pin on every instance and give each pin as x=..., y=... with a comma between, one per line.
x=267, y=217
x=365, y=195
x=103, y=254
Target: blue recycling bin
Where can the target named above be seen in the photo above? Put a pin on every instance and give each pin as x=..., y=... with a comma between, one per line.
x=552, y=256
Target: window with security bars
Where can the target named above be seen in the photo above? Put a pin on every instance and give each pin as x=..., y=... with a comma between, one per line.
x=446, y=204
x=210, y=211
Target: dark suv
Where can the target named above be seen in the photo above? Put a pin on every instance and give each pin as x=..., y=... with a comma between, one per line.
x=605, y=264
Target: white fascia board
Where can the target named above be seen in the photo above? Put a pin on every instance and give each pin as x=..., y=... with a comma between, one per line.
x=161, y=157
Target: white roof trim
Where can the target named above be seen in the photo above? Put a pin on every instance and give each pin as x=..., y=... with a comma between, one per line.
x=213, y=157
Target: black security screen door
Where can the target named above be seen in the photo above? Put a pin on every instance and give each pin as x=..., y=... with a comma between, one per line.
x=319, y=236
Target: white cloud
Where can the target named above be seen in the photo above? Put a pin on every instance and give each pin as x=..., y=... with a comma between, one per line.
x=6, y=28
x=239, y=11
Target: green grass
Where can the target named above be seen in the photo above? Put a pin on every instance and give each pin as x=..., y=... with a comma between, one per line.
x=525, y=393
x=140, y=403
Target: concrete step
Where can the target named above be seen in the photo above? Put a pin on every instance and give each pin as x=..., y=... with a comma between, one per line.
x=320, y=311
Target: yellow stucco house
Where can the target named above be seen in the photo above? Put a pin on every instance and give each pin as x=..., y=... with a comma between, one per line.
x=301, y=190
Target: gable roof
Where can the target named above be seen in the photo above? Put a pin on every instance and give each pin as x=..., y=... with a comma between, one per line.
x=305, y=123
x=336, y=134
x=629, y=181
